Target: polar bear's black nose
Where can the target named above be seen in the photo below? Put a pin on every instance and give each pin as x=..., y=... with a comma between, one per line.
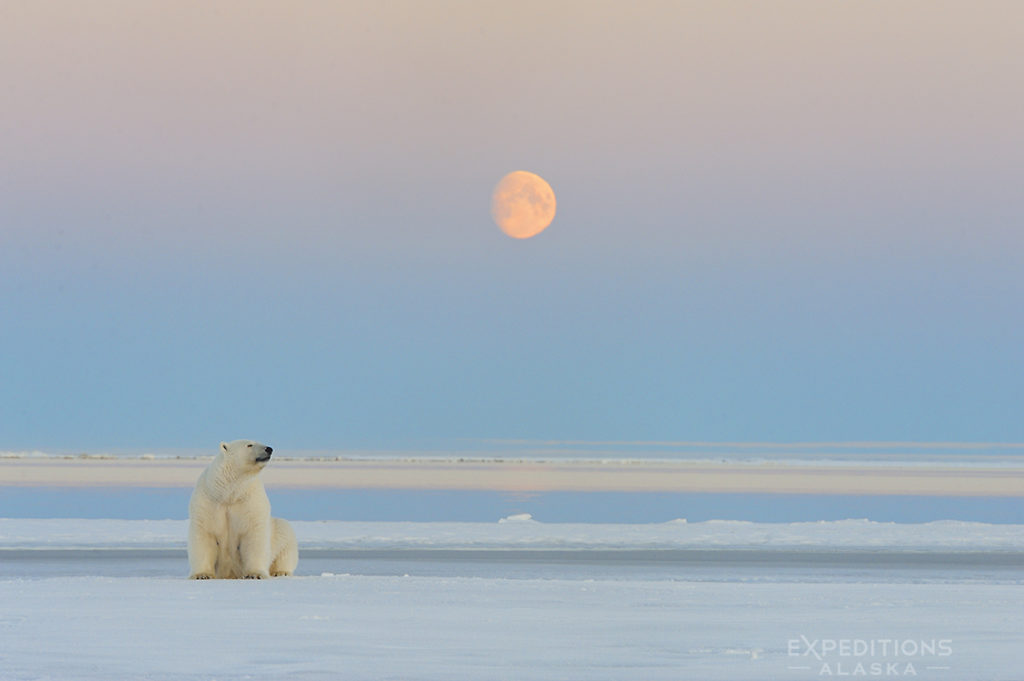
x=270, y=450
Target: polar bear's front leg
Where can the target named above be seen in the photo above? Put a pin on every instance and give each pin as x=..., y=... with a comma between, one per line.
x=202, y=552
x=254, y=547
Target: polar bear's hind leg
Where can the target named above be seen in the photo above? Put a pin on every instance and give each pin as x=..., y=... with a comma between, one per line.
x=284, y=549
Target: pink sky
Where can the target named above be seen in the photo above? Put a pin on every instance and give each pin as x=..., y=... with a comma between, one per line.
x=785, y=220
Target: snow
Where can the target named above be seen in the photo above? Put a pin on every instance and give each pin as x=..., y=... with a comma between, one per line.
x=520, y=599
x=362, y=627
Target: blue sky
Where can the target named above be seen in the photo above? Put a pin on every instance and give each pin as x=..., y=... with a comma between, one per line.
x=781, y=222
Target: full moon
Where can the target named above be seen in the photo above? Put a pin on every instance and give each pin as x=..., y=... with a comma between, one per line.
x=523, y=204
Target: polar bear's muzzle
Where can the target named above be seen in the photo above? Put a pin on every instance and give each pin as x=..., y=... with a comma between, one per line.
x=265, y=456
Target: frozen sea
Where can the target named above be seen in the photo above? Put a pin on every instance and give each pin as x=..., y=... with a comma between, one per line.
x=521, y=599
x=406, y=584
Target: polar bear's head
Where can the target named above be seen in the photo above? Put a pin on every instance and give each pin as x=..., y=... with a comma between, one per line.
x=246, y=454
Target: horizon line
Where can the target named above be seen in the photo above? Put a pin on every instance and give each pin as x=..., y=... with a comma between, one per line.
x=839, y=444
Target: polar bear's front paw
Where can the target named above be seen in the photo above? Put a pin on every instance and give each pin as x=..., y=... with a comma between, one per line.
x=254, y=575
x=279, y=573
x=201, y=575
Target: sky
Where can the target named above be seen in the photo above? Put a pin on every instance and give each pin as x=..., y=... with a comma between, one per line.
x=777, y=222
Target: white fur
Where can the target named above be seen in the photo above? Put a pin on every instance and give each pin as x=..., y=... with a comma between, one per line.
x=230, y=531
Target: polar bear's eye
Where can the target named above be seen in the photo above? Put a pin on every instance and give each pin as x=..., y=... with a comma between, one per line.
x=250, y=446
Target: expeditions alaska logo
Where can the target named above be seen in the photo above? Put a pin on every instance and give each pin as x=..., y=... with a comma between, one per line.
x=867, y=658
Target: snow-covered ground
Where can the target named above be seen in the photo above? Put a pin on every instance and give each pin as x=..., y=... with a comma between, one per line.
x=97, y=599
x=367, y=627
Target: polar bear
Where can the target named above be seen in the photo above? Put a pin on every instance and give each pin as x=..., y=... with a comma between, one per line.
x=230, y=531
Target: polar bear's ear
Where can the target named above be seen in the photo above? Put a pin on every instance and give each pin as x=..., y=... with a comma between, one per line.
x=223, y=446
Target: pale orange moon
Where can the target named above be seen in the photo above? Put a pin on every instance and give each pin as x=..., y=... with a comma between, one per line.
x=523, y=204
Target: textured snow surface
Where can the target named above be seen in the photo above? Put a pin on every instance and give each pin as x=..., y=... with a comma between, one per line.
x=122, y=612
x=357, y=627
